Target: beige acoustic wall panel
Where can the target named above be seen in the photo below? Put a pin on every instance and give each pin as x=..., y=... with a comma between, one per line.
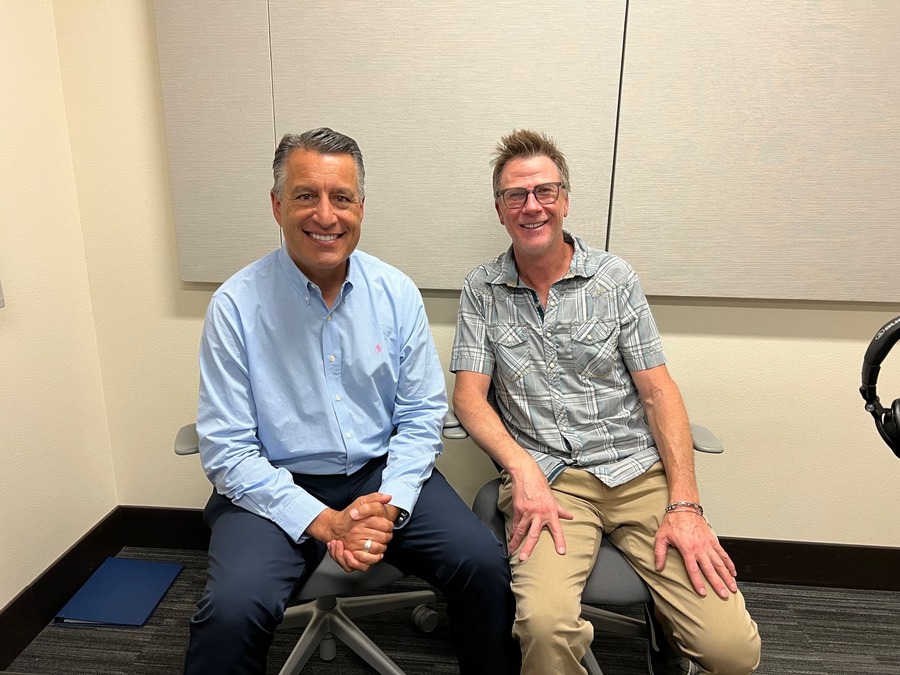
x=217, y=95
x=428, y=88
x=759, y=149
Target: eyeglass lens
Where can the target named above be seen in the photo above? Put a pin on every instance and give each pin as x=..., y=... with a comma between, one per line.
x=545, y=193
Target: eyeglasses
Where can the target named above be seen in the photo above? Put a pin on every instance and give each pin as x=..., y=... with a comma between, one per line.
x=545, y=193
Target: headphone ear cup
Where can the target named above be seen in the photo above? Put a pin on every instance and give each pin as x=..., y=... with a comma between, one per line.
x=891, y=422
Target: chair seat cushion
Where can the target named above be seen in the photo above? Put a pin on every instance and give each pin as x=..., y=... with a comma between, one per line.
x=330, y=579
x=613, y=580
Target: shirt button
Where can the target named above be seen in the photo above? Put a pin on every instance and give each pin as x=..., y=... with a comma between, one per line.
x=328, y=318
x=331, y=358
x=337, y=398
x=348, y=435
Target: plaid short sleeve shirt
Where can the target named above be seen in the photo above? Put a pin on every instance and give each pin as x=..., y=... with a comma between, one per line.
x=561, y=373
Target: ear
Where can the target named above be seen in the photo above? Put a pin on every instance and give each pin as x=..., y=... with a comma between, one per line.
x=499, y=212
x=276, y=207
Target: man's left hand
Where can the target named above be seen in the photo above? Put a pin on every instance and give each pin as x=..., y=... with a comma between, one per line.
x=700, y=548
x=346, y=558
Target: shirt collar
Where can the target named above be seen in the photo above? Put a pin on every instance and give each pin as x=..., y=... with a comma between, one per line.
x=581, y=265
x=301, y=283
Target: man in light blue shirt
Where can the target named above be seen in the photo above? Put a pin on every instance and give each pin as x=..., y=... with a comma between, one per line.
x=321, y=403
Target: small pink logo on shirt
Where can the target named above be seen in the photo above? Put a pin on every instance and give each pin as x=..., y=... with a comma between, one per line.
x=378, y=347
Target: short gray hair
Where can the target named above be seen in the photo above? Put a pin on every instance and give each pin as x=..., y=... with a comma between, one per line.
x=325, y=141
x=523, y=144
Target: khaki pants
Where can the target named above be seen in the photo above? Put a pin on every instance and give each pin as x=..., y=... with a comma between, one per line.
x=717, y=634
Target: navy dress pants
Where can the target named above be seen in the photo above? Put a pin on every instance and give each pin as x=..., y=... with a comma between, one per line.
x=255, y=569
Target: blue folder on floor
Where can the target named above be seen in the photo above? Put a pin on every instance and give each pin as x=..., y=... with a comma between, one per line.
x=121, y=592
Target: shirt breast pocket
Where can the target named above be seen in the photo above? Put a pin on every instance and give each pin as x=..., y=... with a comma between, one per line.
x=511, y=351
x=594, y=345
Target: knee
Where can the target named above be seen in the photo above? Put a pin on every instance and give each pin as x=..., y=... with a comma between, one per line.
x=239, y=608
x=540, y=628
x=549, y=621
x=482, y=563
x=728, y=655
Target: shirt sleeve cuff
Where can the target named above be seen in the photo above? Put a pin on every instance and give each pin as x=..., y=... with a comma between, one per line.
x=295, y=516
x=646, y=361
x=404, y=498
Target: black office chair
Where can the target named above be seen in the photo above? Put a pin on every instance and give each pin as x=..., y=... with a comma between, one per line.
x=612, y=582
x=325, y=614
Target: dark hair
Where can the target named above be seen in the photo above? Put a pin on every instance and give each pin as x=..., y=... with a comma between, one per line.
x=325, y=141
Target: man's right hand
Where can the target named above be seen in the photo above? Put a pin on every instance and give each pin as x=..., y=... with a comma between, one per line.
x=534, y=508
x=345, y=532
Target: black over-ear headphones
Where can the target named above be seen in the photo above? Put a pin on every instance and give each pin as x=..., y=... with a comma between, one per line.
x=887, y=421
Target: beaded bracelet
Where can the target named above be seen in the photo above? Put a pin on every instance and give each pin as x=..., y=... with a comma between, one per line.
x=691, y=505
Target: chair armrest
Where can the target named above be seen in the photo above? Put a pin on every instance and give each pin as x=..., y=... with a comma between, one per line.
x=186, y=440
x=705, y=440
x=452, y=428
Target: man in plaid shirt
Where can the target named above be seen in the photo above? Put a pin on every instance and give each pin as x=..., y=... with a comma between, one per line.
x=589, y=429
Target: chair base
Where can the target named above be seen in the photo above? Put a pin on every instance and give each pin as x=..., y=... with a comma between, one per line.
x=605, y=621
x=328, y=617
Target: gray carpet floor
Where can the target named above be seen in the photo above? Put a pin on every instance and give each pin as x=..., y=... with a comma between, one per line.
x=804, y=630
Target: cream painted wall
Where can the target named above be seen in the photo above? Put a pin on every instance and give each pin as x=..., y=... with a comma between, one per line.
x=57, y=474
x=148, y=322
x=776, y=381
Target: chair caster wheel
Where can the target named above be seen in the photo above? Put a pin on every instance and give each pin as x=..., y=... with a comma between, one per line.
x=424, y=618
x=327, y=648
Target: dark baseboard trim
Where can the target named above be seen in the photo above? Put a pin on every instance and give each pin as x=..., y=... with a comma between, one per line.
x=27, y=614
x=779, y=562
x=153, y=527
x=814, y=564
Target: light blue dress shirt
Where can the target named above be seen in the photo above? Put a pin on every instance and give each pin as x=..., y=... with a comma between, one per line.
x=287, y=385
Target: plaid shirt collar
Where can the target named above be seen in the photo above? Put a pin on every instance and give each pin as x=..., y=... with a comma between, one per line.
x=581, y=266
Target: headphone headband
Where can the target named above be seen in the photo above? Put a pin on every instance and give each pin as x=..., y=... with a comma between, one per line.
x=887, y=421
x=881, y=344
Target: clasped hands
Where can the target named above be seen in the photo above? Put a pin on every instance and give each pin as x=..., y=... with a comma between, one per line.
x=369, y=518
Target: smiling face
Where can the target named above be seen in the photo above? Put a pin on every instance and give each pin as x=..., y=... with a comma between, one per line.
x=536, y=229
x=320, y=214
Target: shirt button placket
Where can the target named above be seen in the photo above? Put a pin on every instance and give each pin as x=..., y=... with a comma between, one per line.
x=551, y=357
